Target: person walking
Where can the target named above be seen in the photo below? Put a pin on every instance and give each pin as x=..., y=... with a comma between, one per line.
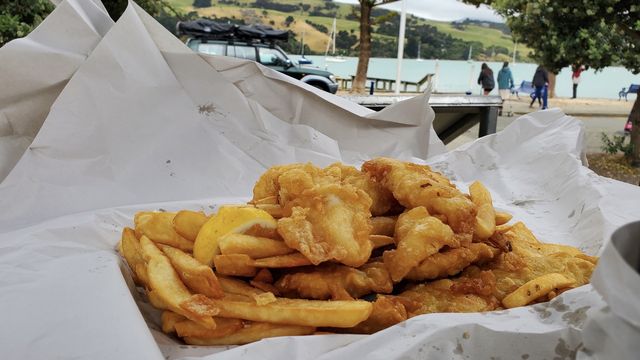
x=505, y=83
x=485, y=80
x=575, y=77
x=540, y=80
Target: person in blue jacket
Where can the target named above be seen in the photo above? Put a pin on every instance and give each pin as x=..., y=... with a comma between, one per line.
x=505, y=82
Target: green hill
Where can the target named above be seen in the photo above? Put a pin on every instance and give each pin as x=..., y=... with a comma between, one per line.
x=314, y=19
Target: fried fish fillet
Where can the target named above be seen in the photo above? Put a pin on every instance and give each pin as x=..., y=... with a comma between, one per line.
x=387, y=311
x=329, y=222
x=381, y=198
x=419, y=236
x=336, y=282
x=279, y=184
x=453, y=295
x=451, y=261
x=416, y=185
x=530, y=259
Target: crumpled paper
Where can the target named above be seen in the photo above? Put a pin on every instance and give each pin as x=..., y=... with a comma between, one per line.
x=144, y=113
x=36, y=68
x=143, y=120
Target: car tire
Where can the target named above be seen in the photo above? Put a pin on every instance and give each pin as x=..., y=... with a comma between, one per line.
x=318, y=86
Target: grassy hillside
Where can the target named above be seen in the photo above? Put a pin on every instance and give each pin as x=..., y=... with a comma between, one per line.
x=317, y=40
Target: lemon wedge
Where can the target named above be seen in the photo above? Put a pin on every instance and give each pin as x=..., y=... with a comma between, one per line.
x=229, y=219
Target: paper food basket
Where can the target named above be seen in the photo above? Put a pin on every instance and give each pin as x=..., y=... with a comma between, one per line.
x=100, y=119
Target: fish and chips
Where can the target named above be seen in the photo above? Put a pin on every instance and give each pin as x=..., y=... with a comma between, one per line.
x=340, y=250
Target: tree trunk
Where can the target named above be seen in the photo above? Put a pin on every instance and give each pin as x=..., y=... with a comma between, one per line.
x=552, y=85
x=635, y=132
x=359, y=83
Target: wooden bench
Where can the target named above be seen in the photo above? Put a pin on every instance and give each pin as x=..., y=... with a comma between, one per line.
x=633, y=89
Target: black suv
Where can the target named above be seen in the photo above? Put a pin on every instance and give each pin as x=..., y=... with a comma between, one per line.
x=255, y=43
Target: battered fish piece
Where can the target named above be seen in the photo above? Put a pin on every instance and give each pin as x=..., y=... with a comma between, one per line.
x=280, y=184
x=387, y=311
x=457, y=295
x=329, y=222
x=419, y=236
x=381, y=197
x=452, y=261
x=530, y=259
x=416, y=185
x=336, y=282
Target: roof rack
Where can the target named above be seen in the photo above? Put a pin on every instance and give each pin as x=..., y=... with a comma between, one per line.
x=208, y=29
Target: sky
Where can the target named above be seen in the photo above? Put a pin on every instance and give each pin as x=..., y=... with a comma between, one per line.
x=443, y=10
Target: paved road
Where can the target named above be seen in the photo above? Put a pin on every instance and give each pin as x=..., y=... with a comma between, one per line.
x=595, y=126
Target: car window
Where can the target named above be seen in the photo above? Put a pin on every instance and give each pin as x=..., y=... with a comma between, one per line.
x=211, y=49
x=242, y=52
x=270, y=56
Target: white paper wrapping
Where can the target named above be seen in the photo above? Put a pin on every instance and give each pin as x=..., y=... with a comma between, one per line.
x=144, y=120
x=35, y=69
x=144, y=112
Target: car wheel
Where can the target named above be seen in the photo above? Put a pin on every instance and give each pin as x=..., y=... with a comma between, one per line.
x=318, y=86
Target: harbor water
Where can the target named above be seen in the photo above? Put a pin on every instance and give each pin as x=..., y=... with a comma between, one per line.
x=461, y=76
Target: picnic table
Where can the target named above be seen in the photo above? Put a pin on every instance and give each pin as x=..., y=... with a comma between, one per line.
x=388, y=85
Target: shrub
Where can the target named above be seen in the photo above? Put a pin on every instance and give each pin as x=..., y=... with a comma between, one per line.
x=616, y=144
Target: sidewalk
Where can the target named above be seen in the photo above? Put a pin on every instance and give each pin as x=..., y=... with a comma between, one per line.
x=575, y=107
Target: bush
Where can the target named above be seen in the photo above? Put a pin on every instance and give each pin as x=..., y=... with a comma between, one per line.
x=615, y=145
x=201, y=3
x=318, y=27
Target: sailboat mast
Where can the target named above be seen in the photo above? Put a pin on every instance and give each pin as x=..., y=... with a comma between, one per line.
x=333, y=37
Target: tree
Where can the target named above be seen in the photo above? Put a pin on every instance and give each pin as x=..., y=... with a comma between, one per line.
x=115, y=8
x=19, y=17
x=596, y=34
x=366, y=7
x=289, y=20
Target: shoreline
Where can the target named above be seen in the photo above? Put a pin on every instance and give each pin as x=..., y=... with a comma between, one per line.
x=584, y=107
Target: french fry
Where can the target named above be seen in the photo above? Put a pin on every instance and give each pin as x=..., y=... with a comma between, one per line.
x=502, y=217
x=254, y=247
x=379, y=241
x=282, y=261
x=264, y=298
x=197, y=277
x=237, y=287
x=167, y=286
x=271, y=200
x=188, y=223
x=234, y=264
x=264, y=275
x=133, y=255
x=243, y=265
x=265, y=287
x=383, y=225
x=274, y=210
x=158, y=227
x=503, y=228
x=169, y=320
x=155, y=300
x=252, y=332
x=535, y=289
x=315, y=313
x=224, y=327
x=486, y=216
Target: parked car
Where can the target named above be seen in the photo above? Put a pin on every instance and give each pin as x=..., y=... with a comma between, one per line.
x=255, y=43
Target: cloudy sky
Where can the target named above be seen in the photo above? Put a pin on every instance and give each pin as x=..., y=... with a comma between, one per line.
x=444, y=10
